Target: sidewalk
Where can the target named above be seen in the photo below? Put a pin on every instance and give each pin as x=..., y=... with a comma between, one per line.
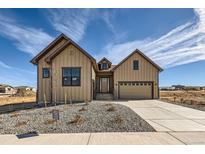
x=138, y=138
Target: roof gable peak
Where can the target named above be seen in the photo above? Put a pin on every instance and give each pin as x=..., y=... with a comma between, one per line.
x=104, y=59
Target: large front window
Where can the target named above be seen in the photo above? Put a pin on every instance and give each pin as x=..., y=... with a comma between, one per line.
x=71, y=76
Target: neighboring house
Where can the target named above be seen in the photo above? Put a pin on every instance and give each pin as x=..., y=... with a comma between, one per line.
x=27, y=88
x=7, y=89
x=66, y=71
x=167, y=88
x=178, y=87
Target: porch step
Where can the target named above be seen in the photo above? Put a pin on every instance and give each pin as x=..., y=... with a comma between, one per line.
x=101, y=96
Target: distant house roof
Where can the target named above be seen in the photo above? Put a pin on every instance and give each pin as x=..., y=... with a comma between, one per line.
x=5, y=85
x=143, y=55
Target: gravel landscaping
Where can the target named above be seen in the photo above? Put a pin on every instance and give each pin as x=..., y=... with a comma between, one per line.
x=78, y=118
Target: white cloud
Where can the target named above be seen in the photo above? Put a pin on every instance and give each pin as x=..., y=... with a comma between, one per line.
x=27, y=39
x=71, y=22
x=2, y=64
x=182, y=45
x=74, y=22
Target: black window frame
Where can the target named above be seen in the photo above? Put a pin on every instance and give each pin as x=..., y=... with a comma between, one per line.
x=105, y=65
x=43, y=75
x=71, y=78
x=134, y=65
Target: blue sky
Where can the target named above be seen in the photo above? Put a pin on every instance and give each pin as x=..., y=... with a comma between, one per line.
x=173, y=38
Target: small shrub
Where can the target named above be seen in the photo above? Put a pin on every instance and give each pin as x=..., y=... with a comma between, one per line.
x=192, y=102
x=77, y=120
x=21, y=123
x=49, y=121
x=82, y=109
x=15, y=114
x=174, y=99
x=118, y=119
x=111, y=109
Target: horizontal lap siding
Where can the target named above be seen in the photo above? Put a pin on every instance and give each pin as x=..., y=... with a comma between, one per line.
x=146, y=72
x=44, y=85
x=71, y=57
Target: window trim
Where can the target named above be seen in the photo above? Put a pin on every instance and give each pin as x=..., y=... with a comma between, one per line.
x=102, y=66
x=71, y=77
x=134, y=65
x=45, y=68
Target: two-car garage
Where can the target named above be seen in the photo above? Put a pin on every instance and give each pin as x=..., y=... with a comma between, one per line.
x=135, y=90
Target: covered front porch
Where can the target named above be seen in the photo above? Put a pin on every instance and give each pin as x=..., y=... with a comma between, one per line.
x=104, y=86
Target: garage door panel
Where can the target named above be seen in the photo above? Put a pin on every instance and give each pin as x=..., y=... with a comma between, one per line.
x=135, y=91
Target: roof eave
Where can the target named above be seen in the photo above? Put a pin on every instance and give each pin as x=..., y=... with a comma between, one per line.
x=143, y=55
x=36, y=58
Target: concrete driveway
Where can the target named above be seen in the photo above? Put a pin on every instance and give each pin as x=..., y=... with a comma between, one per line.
x=166, y=117
x=185, y=124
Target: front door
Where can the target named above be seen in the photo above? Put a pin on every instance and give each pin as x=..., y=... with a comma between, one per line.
x=104, y=85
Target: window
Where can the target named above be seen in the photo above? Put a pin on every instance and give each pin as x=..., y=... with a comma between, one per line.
x=46, y=73
x=71, y=76
x=104, y=66
x=135, y=65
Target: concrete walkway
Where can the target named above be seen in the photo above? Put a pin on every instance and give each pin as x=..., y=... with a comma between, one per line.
x=174, y=124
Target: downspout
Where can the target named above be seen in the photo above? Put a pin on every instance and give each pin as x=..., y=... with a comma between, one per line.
x=37, y=94
x=51, y=83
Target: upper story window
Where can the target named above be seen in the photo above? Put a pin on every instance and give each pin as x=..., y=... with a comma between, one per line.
x=104, y=66
x=46, y=73
x=71, y=76
x=135, y=65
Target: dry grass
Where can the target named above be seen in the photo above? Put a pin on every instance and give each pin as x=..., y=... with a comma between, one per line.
x=111, y=109
x=49, y=122
x=16, y=100
x=21, y=123
x=187, y=97
x=78, y=119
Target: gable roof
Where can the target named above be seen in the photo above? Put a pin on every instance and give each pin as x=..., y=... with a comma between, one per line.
x=143, y=55
x=46, y=49
x=59, y=49
x=105, y=60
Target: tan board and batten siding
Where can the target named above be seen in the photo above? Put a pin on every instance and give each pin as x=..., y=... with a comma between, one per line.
x=71, y=57
x=44, y=84
x=146, y=72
